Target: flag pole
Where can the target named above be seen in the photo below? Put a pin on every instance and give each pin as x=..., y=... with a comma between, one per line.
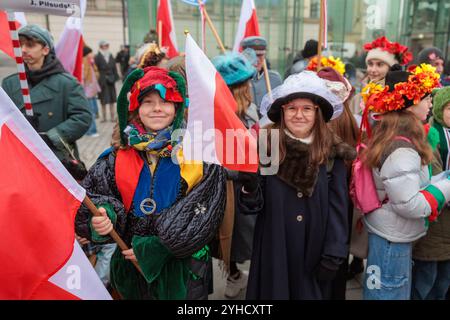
x=321, y=29
x=160, y=34
x=213, y=29
x=114, y=235
x=266, y=76
x=19, y=63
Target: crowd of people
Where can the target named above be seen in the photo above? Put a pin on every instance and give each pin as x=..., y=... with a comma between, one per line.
x=300, y=227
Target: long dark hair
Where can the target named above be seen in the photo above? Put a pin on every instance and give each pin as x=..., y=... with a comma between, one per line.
x=322, y=139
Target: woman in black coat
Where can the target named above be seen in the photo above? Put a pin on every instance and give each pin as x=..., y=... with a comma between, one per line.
x=302, y=225
x=107, y=68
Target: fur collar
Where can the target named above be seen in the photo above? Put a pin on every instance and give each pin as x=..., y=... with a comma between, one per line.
x=296, y=169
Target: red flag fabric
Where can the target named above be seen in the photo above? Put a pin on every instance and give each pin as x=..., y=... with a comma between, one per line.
x=248, y=24
x=5, y=36
x=38, y=203
x=164, y=20
x=214, y=133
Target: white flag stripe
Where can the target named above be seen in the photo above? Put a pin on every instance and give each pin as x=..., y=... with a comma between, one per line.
x=201, y=78
x=67, y=47
x=11, y=116
x=79, y=278
x=20, y=17
x=246, y=14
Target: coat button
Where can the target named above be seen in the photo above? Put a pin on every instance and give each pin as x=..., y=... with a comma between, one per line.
x=50, y=114
x=299, y=218
x=300, y=195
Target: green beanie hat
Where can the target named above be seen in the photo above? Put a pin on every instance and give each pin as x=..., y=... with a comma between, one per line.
x=441, y=97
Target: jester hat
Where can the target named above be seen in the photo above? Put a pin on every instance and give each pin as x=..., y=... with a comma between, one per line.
x=171, y=86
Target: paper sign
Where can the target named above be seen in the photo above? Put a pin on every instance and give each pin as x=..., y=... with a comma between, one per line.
x=59, y=8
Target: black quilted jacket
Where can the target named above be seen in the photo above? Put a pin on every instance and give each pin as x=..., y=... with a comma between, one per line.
x=184, y=228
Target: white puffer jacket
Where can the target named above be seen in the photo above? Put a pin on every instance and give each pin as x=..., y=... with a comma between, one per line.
x=401, y=178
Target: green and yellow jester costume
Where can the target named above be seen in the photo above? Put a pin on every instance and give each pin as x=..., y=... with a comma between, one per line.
x=168, y=212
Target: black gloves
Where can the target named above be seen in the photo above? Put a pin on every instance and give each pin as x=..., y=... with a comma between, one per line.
x=249, y=181
x=75, y=167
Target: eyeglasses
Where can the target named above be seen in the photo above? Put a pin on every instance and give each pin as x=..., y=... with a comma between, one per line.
x=307, y=111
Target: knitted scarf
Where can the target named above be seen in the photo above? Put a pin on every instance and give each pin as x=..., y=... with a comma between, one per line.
x=157, y=143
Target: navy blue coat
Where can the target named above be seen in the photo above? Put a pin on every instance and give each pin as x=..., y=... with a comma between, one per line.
x=295, y=232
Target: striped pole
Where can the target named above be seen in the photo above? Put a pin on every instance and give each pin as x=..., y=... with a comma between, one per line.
x=19, y=63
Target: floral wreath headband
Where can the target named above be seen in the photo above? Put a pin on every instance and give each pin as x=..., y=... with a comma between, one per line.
x=330, y=61
x=401, y=53
x=422, y=81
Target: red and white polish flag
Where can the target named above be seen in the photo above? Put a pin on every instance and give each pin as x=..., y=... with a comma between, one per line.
x=164, y=20
x=69, y=48
x=39, y=256
x=248, y=24
x=214, y=134
x=6, y=44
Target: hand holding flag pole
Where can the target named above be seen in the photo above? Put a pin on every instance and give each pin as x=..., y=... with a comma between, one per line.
x=113, y=234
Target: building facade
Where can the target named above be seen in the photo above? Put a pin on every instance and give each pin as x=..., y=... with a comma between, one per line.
x=286, y=24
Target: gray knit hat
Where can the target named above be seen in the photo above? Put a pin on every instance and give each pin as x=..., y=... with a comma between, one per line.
x=37, y=32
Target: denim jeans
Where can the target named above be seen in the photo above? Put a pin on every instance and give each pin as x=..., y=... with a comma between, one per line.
x=389, y=270
x=431, y=280
x=94, y=110
x=102, y=266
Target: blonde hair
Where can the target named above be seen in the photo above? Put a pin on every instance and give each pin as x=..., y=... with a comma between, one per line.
x=243, y=96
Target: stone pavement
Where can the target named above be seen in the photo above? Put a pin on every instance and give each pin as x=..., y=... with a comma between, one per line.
x=90, y=148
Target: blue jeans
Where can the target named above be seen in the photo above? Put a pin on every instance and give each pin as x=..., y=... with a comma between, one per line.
x=389, y=269
x=94, y=110
x=431, y=280
x=102, y=266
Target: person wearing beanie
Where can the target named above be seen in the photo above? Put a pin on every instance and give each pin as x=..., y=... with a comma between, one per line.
x=165, y=209
x=61, y=112
x=259, y=86
x=237, y=73
x=383, y=54
x=399, y=152
x=301, y=232
x=431, y=269
x=91, y=87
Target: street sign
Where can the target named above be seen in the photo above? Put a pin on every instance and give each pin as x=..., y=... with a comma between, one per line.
x=60, y=8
